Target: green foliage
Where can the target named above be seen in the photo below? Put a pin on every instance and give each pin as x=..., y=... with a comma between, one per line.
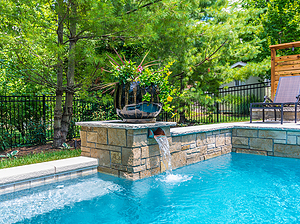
x=278, y=22
x=38, y=158
x=202, y=37
x=103, y=113
x=159, y=79
x=95, y=107
x=12, y=83
x=147, y=97
x=21, y=120
x=36, y=132
x=72, y=131
x=20, y=117
x=10, y=155
x=240, y=104
x=5, y=139
x=101, y=109
x=127, y=71
x=65, y=146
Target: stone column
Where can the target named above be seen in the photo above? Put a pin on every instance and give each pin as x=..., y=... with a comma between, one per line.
x=123, y=149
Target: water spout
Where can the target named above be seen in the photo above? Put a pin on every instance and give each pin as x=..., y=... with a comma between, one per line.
x=155, y=132
x=164, y=147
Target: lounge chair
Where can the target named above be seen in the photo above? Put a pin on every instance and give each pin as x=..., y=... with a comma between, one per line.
x=287, y=95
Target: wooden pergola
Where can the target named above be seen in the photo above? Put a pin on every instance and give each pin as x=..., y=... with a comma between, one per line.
x=284, y=65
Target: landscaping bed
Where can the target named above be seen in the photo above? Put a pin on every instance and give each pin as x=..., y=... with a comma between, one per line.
x=37, y=154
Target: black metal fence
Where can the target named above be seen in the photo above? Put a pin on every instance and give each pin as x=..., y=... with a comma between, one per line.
x=228, y=105
x=29, y=120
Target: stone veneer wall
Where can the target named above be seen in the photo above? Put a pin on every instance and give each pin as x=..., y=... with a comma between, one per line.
x=129, y=153
x=192, y=148
x=282, y=143
x=288, y=114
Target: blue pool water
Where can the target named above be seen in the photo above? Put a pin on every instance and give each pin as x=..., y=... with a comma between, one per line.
x=234, y=188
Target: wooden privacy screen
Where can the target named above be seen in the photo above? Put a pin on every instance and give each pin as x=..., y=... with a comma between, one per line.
x=284, y=65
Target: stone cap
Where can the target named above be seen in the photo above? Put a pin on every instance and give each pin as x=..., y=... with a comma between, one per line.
x=276, y=126
x=241, y=125
x=122, y=125
x=199, y=129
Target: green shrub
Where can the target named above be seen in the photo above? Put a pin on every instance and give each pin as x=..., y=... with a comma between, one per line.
x=73, y=130
x=36, y=132
x=5, y=139
x=240, y=104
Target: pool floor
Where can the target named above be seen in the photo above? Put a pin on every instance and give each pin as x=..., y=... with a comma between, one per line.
x=233, y=188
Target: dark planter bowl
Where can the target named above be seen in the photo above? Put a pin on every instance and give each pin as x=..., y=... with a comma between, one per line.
x=129, y=104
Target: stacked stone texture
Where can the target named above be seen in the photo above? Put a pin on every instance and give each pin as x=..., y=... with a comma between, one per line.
x=288, y=114
x=193, y=148
x=129, y=153
x=123, y=153
x=282, y=143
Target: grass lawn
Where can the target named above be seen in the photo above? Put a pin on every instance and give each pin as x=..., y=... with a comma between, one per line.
x=43, y=156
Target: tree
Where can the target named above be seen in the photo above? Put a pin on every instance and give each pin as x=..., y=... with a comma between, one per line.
x=53, y=42
x=279, y=23
x=63, y=44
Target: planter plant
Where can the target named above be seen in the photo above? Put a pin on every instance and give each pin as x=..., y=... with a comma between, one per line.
x=140, y=90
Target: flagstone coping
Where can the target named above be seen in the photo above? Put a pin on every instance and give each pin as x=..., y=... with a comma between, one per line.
x=121, y=124
x=241, y=125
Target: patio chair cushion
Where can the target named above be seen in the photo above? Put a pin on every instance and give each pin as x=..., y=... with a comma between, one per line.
x=287, y=90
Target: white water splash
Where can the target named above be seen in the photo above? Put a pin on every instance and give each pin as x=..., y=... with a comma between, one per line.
x=31, y=205
x=175, y=178
x=169, y=178
x=164, y=147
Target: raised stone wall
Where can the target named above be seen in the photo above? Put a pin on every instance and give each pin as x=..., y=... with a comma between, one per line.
x=187, y=149
x=282, y=143
x=288, y=114
x=122, y=152
x=126, y=151
x=129, y=153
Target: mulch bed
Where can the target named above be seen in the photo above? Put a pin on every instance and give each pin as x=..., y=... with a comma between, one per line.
x=23, y=151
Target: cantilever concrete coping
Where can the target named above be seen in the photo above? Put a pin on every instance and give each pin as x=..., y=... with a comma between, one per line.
x=268, y=126
x=64, y=165
x=199, y=129
x=241, y=125
x=121, y=124
x=22, y=173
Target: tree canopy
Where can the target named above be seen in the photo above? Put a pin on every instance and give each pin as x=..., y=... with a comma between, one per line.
x=278, y=22
x=63, y=45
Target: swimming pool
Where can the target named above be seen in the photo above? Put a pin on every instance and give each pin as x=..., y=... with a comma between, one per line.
x=233, y=188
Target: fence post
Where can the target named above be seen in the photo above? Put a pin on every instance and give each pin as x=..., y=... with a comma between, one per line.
x=44, y=108
x=217, y=105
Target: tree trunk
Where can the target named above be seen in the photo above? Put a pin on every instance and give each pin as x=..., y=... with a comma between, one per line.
x=68, y=108
x=182, y=104
x=57, y=139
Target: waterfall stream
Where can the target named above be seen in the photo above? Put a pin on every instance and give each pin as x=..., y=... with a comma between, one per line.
x=164, y=147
